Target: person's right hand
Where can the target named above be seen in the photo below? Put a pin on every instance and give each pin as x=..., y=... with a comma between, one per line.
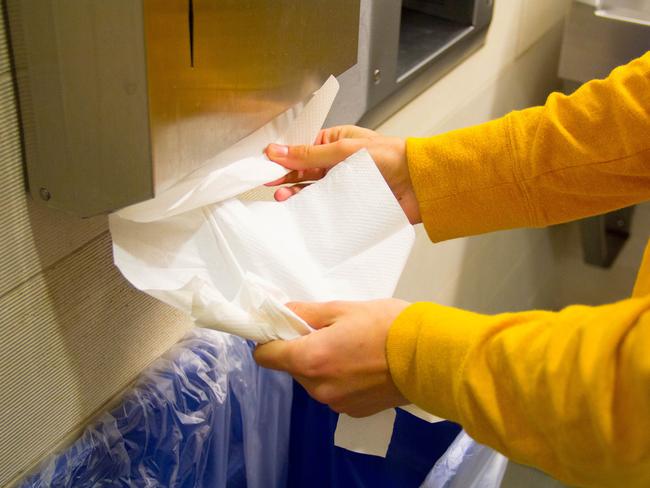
x=333, y=145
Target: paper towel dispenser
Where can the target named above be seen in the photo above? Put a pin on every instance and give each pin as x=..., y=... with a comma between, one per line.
x=120, y=99
x=404, y=47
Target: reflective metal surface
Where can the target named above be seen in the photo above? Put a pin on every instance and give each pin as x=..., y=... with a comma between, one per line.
x=404, y=47
x=593, y=44
x=218, y=70
x=632, y=11
x=119, y=99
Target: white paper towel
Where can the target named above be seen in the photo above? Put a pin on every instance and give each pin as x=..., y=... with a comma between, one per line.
x=232, y=264
x=368, y=435
x=242, y=166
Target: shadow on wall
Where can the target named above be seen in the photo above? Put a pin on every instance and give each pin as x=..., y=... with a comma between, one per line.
x=82, y=332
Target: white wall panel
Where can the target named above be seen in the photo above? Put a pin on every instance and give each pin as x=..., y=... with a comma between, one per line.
x=537, y=18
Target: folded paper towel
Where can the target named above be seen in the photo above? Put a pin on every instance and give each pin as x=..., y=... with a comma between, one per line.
x=233, y=264
x=242, y=166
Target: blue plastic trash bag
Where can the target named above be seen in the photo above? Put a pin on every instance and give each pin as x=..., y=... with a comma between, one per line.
x=203, y=415
x=315, y=461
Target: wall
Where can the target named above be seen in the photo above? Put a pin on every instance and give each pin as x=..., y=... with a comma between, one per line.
x=509, y=270
x=74, y=333
x=518, y=269
x=577, y=282
x=523, y=268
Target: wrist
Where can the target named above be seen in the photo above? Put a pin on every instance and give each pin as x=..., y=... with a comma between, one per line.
x=426, y=348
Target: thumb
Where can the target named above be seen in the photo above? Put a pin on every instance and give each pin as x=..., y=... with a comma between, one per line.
x=275, y=354
x=318, y=156
x=317, y=314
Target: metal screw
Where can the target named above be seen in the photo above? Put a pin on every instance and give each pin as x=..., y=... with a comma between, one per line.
x=620, y=223
x=44, y=193
x=376, y=76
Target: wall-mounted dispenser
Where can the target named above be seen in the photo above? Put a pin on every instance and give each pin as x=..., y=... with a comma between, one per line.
x=405, y=46
x=120, y=99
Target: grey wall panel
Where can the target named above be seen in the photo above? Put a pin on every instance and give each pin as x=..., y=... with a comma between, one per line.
x=73, y=337
x=32, y=237
x=74, y=333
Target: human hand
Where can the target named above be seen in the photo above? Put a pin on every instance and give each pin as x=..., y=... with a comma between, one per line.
x=333, y=145
x=343, y=362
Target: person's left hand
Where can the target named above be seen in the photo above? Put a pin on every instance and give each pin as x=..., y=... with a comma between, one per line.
x=342, y=363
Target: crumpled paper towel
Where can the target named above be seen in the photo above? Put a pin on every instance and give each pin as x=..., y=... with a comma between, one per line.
x=233, y=264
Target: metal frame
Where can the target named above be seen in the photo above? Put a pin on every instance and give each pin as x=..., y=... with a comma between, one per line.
x=120, y=99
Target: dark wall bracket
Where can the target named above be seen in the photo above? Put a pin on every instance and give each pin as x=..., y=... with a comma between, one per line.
x=604, y=236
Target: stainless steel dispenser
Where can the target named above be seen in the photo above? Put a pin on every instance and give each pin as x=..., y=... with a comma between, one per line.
x=405, y=46
x=120, y=99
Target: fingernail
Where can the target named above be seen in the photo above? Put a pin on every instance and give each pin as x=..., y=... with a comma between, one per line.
x=277, y=151
x=282, y=194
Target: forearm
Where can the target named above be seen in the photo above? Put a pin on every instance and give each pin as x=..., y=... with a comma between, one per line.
x=576, y=156
x=568, y=392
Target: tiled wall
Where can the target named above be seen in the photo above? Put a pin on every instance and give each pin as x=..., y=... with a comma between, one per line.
x=74, y=333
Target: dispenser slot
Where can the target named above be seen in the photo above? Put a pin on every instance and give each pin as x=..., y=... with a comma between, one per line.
x=424, y=35
x=190, y=21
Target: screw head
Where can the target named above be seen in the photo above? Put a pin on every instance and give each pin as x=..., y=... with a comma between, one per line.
x=44, y=193
x=376, y=76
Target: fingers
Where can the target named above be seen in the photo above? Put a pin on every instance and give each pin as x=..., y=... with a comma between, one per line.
x=318, y=156
x=333, y=134
x=316, y=314
x=275, y=354
x=298, y=176
x=284, y=193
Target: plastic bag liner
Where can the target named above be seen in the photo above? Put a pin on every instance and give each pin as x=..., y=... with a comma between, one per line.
x=203, y=415
x=467, y=464
x=315, y=461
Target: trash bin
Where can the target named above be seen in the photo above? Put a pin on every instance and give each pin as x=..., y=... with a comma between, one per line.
x=206, y=415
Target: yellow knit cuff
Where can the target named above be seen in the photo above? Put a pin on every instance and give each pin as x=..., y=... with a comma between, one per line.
x=465, y=182
x=426, y=348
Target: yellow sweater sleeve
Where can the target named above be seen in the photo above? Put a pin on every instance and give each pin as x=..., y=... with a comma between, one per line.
x=566, y=391
x=576, y=156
